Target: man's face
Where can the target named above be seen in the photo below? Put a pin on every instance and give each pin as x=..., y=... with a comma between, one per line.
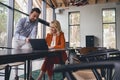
x=34, y=16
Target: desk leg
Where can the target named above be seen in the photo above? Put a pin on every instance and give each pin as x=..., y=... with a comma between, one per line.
x=25, y=64
x=29, y=70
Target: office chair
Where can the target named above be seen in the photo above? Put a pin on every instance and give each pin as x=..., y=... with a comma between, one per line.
x=67, y=75
x=101, y=73
x=5, y=71
x=77, y=60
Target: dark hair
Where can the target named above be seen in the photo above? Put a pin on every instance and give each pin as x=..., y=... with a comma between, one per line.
x=36, y=9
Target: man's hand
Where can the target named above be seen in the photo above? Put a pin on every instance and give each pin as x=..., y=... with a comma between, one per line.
x=27, y=40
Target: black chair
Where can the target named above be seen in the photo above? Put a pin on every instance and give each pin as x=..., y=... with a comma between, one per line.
x=5, y=71
x=113, y=68
x=99, y=55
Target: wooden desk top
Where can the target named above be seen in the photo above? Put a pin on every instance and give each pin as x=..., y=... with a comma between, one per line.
x=18, y=55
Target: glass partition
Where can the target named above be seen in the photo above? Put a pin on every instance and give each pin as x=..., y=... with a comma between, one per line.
x=3, y=23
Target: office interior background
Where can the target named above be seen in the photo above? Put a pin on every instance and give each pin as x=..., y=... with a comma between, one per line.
x=80, y=19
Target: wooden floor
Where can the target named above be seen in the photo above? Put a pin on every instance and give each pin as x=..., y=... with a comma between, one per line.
x=84, y=75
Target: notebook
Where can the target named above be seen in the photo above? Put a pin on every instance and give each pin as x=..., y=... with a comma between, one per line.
x=38, y=44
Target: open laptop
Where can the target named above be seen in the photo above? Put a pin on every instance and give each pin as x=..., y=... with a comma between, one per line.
x=38, y=44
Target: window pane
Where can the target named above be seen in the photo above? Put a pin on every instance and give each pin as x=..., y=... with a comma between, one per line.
x=74, y=26
x=74, y=18
x=3, y=24
x=108, y=15
x=109, y=35
x=18, y=15
x=74, y=36
x=37, y=3
x=21, y=5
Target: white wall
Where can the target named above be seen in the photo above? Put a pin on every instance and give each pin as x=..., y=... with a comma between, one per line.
x=90, y=21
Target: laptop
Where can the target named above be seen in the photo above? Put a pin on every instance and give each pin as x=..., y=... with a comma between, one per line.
x=38, y=44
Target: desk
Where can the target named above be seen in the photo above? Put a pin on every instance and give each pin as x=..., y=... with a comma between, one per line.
x=23, y=55
x=101, y=56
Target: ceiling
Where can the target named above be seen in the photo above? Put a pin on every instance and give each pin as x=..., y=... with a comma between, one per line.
x=67, y=3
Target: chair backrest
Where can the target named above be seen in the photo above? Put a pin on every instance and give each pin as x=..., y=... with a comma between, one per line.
x=86, y=50
x=3, y=66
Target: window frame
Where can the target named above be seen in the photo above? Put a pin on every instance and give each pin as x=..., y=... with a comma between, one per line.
x=69, y=26
x=103, y=23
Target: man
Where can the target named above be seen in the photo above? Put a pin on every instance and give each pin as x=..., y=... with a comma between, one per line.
x=26, y=28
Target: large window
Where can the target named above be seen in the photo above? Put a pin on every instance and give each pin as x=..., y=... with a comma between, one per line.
x=3, y=23
x=20, y=5
x=109, y=26
x=74, y=29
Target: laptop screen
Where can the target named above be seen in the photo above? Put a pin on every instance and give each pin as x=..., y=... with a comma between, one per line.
x=38, y=44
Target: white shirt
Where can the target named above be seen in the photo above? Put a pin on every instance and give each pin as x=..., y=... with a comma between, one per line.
x=53, y=43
